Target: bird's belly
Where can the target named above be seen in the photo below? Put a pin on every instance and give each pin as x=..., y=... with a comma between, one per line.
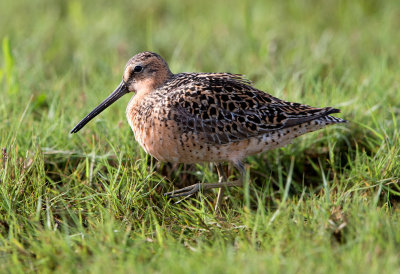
x=157, y=139
x=165, y=142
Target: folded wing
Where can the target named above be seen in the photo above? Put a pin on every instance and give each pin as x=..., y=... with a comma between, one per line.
x=223, y=108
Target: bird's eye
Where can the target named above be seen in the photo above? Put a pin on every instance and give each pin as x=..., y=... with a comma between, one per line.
x=138, y=69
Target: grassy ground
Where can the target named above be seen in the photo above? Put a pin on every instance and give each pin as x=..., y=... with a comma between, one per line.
x=92, y=201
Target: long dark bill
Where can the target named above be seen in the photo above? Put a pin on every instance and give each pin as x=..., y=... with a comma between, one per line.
x=117, y=93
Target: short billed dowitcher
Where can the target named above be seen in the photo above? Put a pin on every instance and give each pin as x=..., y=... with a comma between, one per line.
x=206, y=117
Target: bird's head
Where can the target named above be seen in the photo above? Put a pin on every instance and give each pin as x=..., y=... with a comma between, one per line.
x=143, y=73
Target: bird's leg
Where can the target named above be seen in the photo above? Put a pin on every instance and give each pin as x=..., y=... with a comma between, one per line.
x=221, y=179
x=189, y=190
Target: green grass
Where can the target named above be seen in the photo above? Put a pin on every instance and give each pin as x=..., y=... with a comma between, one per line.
x=92, y=201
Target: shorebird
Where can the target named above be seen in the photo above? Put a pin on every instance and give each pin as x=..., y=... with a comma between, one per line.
x=206, y=117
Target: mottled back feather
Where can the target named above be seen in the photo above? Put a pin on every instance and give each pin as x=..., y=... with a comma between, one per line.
x=224, y=108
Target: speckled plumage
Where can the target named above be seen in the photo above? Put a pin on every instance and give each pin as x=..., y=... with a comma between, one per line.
x=208, y=117
x=211, y=117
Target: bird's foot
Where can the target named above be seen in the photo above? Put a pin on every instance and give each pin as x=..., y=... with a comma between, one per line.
x=189, y=190
x=186, y=191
